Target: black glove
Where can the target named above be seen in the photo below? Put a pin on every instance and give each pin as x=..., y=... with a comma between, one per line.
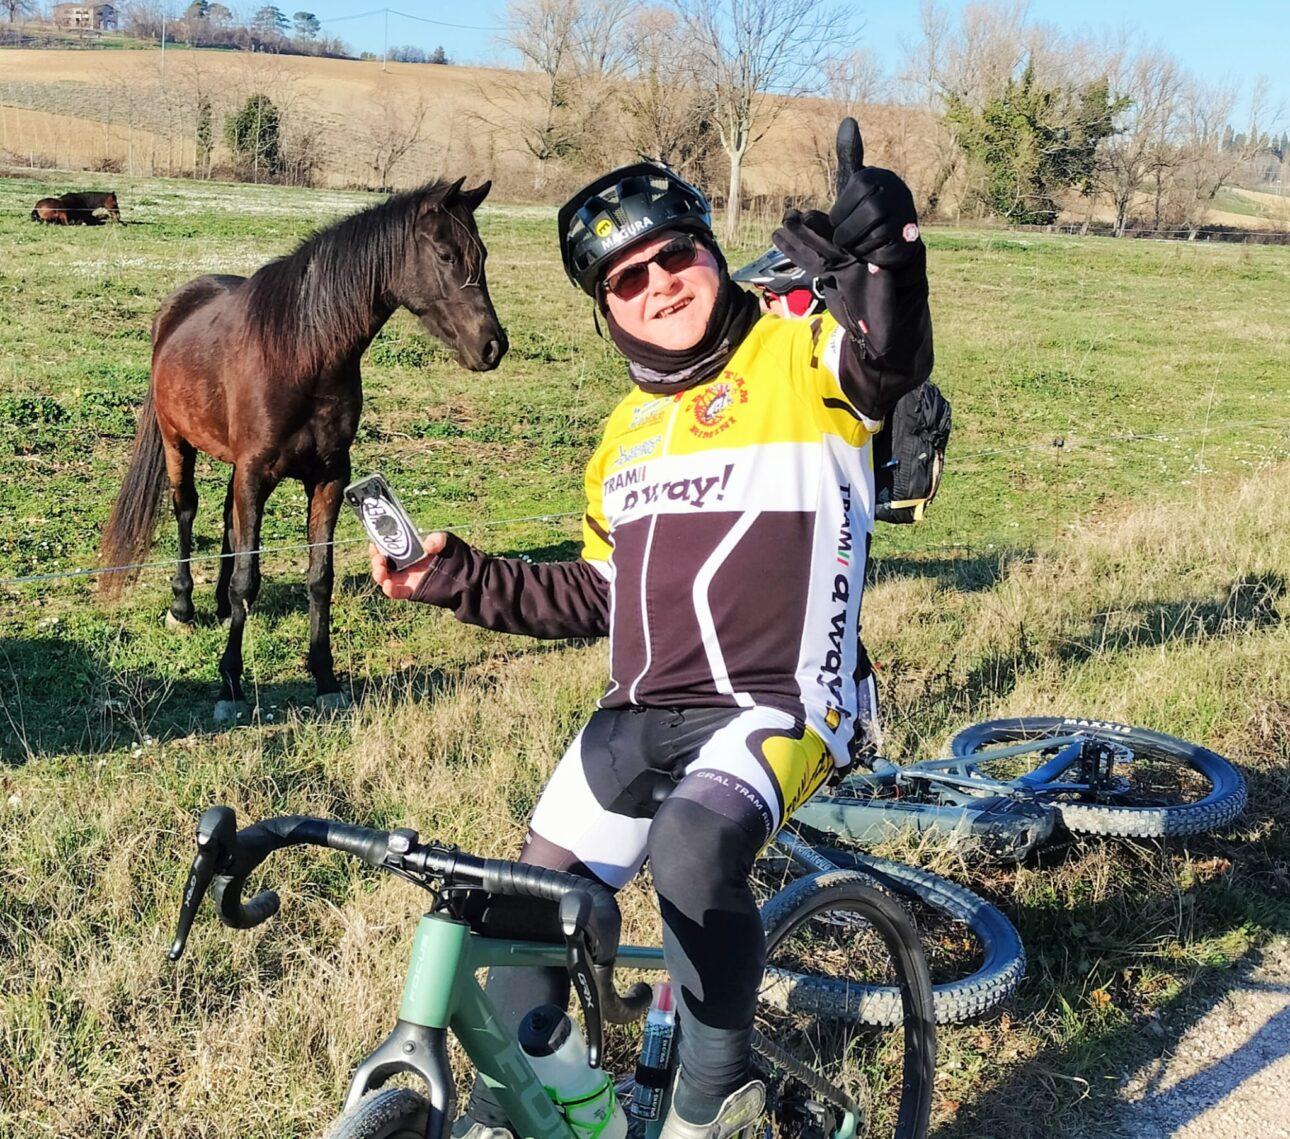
x=872, y=227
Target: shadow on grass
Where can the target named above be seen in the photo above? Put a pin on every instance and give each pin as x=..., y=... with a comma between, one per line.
x=56, y=698
x=974, y=574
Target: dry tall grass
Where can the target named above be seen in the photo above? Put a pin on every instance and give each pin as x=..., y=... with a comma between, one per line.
x=1175, y=619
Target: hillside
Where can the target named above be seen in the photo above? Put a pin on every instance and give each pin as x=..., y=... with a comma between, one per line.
x=114, y=110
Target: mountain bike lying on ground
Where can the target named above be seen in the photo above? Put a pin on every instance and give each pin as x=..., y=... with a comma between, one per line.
x=1008, y=786
x=1091, y=777
x=803, y=1060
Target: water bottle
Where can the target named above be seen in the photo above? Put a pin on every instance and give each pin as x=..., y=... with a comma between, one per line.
x=584, y=1095
x=654, y=1068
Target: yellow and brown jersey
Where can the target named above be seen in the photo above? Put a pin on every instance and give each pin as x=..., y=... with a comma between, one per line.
x=731, y=522
x=724, y=540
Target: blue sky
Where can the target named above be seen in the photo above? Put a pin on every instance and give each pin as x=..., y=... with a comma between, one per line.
x=1215, y=38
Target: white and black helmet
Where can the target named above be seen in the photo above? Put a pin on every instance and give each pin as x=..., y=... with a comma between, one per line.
x=774, y=273
x=621, y=209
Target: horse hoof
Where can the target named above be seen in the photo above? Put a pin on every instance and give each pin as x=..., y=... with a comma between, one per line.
x=332, y=701
x=229, y=712
x=175, y=625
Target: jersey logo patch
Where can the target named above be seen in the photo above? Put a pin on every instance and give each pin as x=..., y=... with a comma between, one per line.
x=713, y=406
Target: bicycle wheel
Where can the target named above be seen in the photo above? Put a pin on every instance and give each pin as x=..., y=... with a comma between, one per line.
x=973, y=951
x=1163, y=786
x=395, y=1113
x=888, y=1074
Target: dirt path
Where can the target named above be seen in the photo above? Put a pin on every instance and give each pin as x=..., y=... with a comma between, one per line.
x=1228, y=1075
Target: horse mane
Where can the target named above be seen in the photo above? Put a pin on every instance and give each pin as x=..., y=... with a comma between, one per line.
x=317, y=301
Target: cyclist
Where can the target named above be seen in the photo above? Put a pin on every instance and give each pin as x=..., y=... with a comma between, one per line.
x=729, y=505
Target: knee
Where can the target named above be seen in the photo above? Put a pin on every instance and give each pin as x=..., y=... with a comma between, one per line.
x=697, y=855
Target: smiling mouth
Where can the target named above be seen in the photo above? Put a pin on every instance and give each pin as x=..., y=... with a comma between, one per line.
x=673, y=308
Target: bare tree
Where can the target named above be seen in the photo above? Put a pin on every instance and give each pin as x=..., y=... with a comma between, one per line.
x=1203, y=165
x=17, y=8
x=393, y=128
x=854, y=85
x=754, y=55
x=1152, y=83
x=669, y=110
x=579, y=52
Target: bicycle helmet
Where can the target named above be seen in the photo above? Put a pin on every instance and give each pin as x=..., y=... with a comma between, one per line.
x=774, y=273
x=621, y=209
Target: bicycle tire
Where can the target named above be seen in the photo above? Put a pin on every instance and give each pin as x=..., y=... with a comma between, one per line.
x=1224, y=801
x=850, y=891
x=1001, y=970
x=394, y=1113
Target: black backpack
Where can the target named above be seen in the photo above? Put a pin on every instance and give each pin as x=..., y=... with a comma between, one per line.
x=909, y=454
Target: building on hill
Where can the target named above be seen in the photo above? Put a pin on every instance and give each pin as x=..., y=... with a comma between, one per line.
x=91, y=17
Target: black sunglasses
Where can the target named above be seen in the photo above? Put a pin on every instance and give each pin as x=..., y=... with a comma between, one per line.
x=678, y=254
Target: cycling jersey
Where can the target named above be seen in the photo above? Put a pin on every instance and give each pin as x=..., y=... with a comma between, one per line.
x=724, y=542
x=731, y=521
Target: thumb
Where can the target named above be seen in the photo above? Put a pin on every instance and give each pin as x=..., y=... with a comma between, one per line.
x=850, y=150
x=434, y=543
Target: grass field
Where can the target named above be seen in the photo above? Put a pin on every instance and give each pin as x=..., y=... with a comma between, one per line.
x=1136, y=571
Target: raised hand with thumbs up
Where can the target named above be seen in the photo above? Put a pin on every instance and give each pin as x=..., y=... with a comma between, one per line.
x=870, y=264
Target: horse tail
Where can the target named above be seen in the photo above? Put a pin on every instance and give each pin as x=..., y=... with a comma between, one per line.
x=128, y=534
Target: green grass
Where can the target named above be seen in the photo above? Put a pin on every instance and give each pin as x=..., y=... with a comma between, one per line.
x=1137, y=571
x=1234, y=202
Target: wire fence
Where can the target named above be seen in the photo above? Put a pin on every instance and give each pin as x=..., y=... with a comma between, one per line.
x=958, y=465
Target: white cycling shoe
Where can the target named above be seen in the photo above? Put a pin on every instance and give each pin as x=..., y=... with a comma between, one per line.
x=739, y=1118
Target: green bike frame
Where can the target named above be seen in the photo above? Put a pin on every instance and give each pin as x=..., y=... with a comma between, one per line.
x=441, y=993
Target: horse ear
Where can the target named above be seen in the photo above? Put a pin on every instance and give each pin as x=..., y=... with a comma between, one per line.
x=440, y=196
x=471, y=198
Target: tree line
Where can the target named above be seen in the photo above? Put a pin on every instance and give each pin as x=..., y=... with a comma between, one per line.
x=986, y=112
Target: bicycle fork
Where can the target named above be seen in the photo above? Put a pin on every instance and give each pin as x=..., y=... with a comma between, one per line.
x=441, y=992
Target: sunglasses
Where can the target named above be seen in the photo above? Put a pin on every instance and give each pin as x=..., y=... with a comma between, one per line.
x=678, y=254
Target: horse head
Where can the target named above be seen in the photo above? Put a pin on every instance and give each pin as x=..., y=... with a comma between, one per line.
x=443, y=281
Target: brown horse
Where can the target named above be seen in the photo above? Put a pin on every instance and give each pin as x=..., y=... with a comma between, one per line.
x=77, y=209
x=263, y=373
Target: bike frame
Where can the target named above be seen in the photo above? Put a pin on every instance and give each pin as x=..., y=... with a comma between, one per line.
x=1009, y=813
x=441, y=994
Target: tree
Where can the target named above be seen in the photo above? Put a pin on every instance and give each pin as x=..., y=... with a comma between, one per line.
x=439, y=56
x=1034, y=141
x=393, y=128
x=204, y=136
x=17, y=8
x=1203, y=163
x=753, y=55
x=270, y=20
x=198, y=10
x=668, y=109
x=307, y=25
x=254, y=135
x=580, y=51
x=1146, y=89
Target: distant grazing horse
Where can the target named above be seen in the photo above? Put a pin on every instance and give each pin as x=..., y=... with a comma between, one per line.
x=263, y=373
x=76, y=209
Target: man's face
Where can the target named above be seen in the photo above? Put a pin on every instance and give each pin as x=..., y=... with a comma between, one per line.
x=672, y=308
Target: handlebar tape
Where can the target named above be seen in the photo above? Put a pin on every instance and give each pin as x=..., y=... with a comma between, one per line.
x=255, y=843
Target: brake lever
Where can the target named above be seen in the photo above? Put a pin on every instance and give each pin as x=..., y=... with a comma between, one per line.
x=575, y=911
x=215, y=830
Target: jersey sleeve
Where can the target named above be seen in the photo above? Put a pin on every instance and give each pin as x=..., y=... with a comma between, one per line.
x=596, y=543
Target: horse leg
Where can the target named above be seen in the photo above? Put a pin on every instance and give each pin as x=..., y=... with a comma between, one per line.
x=180, y=462
x=325, y=497
x=251, y=487
x=223, y=609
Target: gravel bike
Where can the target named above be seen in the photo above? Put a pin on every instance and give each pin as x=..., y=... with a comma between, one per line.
x=809, y=1096
x=1008, y=786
